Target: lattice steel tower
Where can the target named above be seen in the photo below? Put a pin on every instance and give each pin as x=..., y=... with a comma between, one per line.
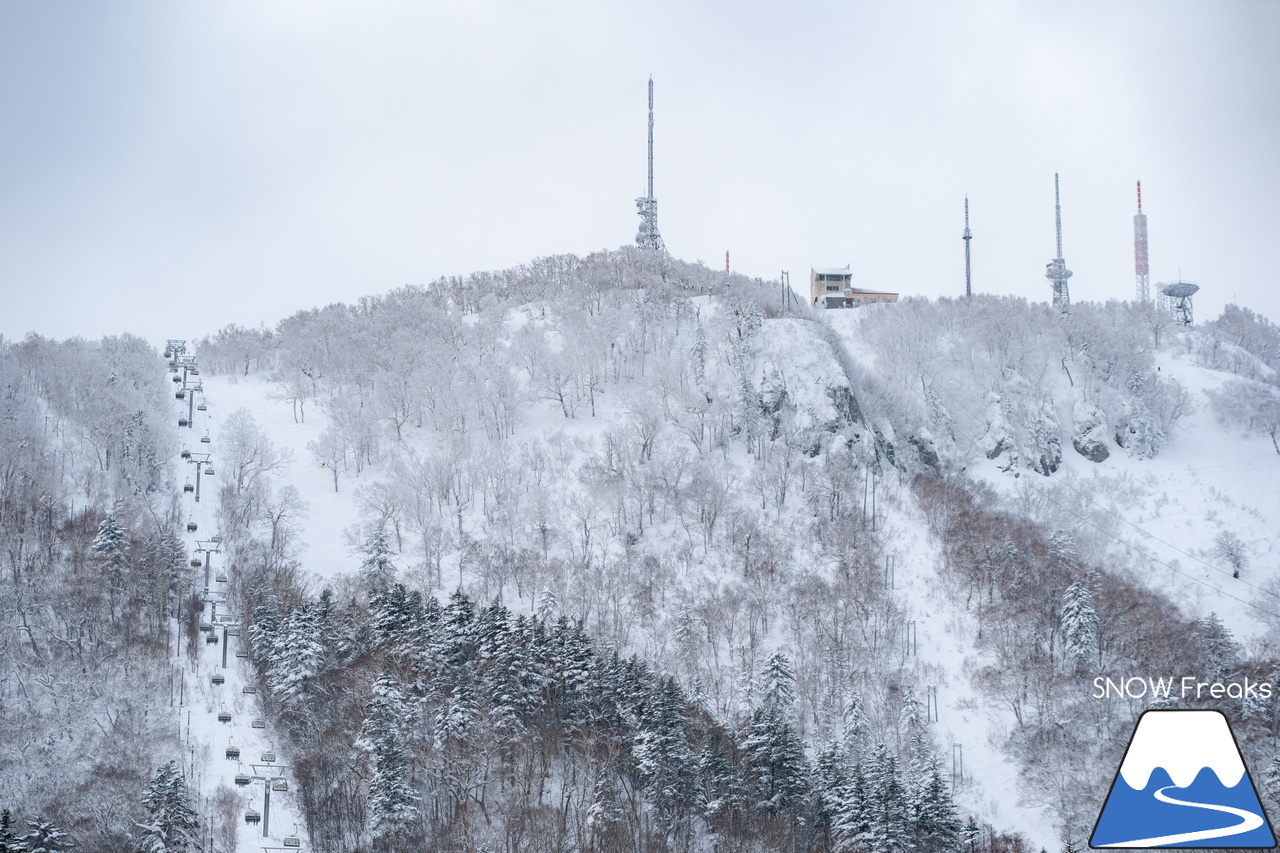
x=1141, y=265
x=647, y=206
x=968, y=289
x=1056, y=270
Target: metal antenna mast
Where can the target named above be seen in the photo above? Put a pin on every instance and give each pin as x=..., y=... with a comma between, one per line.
x=1141, y=265
x=968, y=289
x=1056, y=270
x=647, y=207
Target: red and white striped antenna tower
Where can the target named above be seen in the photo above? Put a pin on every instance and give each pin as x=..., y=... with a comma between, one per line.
x=1140, y=259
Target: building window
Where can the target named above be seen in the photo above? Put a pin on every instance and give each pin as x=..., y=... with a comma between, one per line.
x=833, y=288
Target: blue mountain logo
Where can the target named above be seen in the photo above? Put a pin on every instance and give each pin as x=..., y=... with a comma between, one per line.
x=1182, y=783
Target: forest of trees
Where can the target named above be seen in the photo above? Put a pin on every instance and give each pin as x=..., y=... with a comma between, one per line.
x=624, y=547
x=92, y=578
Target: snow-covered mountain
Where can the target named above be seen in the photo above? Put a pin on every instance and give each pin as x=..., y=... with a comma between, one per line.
x=859, y=552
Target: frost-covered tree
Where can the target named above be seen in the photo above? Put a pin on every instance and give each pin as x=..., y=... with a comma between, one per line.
x=778, y=682
x=172, y=824
x=1219, y=653
x=44, y=836
x=1079, y=621
x=109, y=548
x=663, y=756
x=376, y=567
x=385, y=736
x=1230, y=549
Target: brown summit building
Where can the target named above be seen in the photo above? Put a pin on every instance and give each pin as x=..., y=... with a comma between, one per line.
x=832, y=287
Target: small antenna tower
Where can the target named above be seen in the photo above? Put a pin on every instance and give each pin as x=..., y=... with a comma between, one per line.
x=1140, y=259
x=647, y=207
x=968, y=288
x=1056, y=270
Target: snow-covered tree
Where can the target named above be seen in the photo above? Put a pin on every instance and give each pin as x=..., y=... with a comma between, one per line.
x=172, y=824
x=376, y=567
x=385, y=735
x=1079, y=626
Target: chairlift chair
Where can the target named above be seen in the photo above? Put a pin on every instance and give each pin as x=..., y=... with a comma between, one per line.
x=258, y=724
x=249, y=688
x=242, y=780
x=176, y=378
x=211, y=640
x=206, y=627
x=269, y=757
x=188, y=488
x=218, y=680
x=224, y=716
x=292, y=841
x=196, y=562
x=233, y=632
x=217, y=537
x=180, y=395
x=202, y=408
x=185, y=454
x=280, y=784
x=192, y=527
x=242, y=653
x=193, y=370
x=253, y=817
x=221, y=578
x=204, y=439
x=182, y=422
x=208, y=470
x=233, y=753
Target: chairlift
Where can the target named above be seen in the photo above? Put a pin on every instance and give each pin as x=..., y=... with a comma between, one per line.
x=253, y=817
x=242, y=780
x=188, y=488
x=208, y=471
x=202, y=408
x=193, y=370
x=211, y=640
x=206, y=627
x=233, y=753
x=204, y=439
x=269, y=757
x=196, y=562
x=218, y=680
x=233, y=632
x=182, y=422
x=185, y=454
x=258, y=724
x=217, y=537
x=280, y=784
x=242, y=653
x=191, y=527
x=221, y=578
x=249, y=688
x=176, y=378
x=180, y=395
x=292, y=841
x=224, y=717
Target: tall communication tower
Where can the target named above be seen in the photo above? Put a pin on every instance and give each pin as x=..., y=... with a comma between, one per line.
x=1140, y=260
x=1056, y=270
x=647, y=206
x=968, y=288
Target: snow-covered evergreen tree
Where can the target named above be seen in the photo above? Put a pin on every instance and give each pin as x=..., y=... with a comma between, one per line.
x=385, y=736
x=1079, y=626
x=172, y=824
x=44, y=836
x=376, y=567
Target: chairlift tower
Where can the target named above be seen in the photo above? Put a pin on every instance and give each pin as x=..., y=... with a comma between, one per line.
x=1056, y=270
x=1140, y=259
x=968, y=287
x=647, y=206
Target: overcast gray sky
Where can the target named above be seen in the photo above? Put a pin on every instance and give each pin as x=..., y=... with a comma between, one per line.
x=167, y=168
